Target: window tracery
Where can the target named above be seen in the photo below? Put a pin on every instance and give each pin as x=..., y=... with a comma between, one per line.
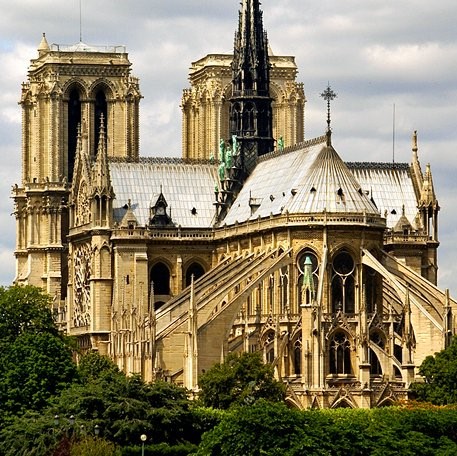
x=343, y=283
x=340, y=354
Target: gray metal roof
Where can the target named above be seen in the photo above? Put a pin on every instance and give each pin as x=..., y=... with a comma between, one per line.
x=391, y=186
x=184, y=185
x=310, y=178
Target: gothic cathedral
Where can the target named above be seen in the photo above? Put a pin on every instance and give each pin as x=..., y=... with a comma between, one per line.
x=255, y=240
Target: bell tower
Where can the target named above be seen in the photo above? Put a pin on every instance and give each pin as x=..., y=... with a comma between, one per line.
x=251, y=115
x=67, y=86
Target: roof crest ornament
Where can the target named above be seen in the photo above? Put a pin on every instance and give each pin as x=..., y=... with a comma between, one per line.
x=329, y=95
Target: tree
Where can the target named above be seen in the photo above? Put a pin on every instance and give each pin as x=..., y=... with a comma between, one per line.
x=440, y=377
x=34, y=367
x=24, y=309
x=35, y=360
x=262, y=428
x=241, y=379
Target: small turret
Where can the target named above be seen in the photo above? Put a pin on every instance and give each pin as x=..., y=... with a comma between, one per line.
x=43, y=48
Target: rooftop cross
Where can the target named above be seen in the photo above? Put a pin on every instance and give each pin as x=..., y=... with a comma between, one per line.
x=328, y=95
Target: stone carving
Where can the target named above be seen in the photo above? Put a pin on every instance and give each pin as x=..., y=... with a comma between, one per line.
x=81, y=286
x=82, y=210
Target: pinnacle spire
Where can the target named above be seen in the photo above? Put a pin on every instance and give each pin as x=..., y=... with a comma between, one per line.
x=428, y=197
x=102, y=181
x=251, y=61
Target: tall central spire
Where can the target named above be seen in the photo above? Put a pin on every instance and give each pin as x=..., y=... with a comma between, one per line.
x=251, y=65
x=251, y=112
x=251, y=116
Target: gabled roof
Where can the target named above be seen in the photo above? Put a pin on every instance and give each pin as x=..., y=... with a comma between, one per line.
x=309, y=178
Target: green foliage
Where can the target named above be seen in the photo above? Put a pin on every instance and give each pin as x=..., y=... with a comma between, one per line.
x=94, y=446
x=33, y=368
x=35, y=361
x=24, y=309
x=93, y=366
x=241, y=379
x=263, y=428
x=126, y=407
x=161, y=449
x=31, y=434
x=440, y=377
x=273, y=429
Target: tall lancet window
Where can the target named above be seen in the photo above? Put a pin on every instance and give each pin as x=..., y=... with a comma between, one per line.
x=343, y=283
x=74, y=119
x=101, y=109
x=340, y=354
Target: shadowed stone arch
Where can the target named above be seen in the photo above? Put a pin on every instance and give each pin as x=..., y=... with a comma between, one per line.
x=78, y=84
x=160, y=277
x=195, y=269
x=74, y=94
x=343, y=402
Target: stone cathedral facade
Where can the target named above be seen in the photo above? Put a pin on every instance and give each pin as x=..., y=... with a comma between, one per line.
x=256, y=240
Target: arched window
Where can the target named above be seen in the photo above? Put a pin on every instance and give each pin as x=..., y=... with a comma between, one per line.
x=343, y=283
x=271, y=293
x=269, y=347
x=307, y=264
x=377, y=338
x=375, y=365
x=248, y=118
x=297, y=356
x=74, y=120
x=196, y=270
x=284, y=290
x=340, y=354
x=101, y=108
x=370, y=289
x=160, y=279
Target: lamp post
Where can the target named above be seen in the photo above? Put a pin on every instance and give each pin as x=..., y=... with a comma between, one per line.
x=143, y=438
x=97, y=430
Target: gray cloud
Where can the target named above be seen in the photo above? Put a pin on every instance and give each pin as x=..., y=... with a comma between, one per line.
x=375, y=54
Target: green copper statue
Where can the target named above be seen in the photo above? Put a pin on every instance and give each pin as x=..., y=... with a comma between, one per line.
x=280, y=144
x=221, y=170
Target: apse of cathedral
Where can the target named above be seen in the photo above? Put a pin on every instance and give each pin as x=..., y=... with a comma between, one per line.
x=256, y=240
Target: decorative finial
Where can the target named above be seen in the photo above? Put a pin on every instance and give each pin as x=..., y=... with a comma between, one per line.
x=328, y=95
x=415, y=148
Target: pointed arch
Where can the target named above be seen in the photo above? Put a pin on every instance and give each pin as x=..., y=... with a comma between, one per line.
x=74, y=94
x=101, y=92
x=343, y=402
x=343, y=282
x=340, y=345
x=194, y=269
x=160, y=276
x=297, y=355
x=268, y=340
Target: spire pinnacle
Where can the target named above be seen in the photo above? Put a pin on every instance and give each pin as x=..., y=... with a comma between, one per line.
x=102, y=178
x=415, y=148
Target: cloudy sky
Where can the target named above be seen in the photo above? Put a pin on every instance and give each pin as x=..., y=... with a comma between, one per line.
x=375, y=54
